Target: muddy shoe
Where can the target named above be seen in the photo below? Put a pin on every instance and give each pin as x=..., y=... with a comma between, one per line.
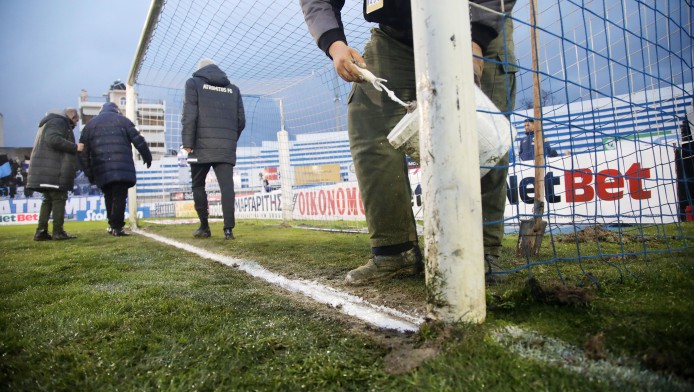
x=491, y=263
x=228, y=234
x=202, y=233
x=408, y=263
x=42, y=235
x=61, y=235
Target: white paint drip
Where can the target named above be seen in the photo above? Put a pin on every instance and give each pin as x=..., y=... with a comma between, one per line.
x=376, y=315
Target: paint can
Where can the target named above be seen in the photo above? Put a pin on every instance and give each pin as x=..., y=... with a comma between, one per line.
x=494, y=133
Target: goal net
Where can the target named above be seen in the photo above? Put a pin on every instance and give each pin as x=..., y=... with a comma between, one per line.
x=616, y=96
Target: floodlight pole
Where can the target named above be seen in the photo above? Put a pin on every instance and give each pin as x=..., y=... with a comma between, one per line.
x=285, y=168
x=450, y=161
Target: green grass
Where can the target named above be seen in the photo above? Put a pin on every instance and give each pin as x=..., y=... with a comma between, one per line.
x=104, y=313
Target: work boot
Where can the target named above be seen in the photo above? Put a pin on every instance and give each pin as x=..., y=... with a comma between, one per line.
x=62, y=235
x=379, y=268
x=42, y=235
x=228, y=234
x=491, y=263
x=119, y=232
x=202, y=232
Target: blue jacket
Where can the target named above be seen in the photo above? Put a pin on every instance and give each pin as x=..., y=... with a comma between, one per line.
x=107, y=155
x=527, y=149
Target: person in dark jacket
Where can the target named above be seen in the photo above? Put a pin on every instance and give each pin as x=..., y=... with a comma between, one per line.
x=371, y=116
x=52, y=170
x=526, y=152
x=107, y=160
x=213, y=119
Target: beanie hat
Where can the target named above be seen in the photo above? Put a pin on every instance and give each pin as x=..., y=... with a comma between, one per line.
x=204, y=62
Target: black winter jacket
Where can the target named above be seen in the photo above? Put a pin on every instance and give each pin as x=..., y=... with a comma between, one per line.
x=107, y=155
x=53, y=158
x=213, y=117
x=324, y=20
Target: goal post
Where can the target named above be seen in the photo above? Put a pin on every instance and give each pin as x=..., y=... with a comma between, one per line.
x=131, y=95
x=451, y=179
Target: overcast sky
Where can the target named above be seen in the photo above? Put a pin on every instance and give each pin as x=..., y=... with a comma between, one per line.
x=51, y=49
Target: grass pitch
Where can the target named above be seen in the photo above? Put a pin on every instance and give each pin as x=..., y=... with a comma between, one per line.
x=105, y=313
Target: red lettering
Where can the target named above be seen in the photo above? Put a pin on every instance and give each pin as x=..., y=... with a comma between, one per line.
x=578, y=181
x=634, y=176
x=331, y=201
x=302, y=203
x=603, y=183
x=352, y=202
x=313, y=210
x=341, y=198
x=322, y=202
x=20, y=217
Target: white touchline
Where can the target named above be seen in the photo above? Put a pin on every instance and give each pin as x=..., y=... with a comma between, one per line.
x=376, y=315
x=552, y=351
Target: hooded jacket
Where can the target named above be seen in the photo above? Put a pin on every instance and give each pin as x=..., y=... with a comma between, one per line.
x=213, y=117
x=53, y=158
x=107, y=155
x=394, y=17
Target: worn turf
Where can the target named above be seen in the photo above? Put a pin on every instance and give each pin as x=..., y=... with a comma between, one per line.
x=105, y=313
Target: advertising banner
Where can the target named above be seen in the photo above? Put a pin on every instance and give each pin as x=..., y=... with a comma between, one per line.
x=77, y=208
x=623, y=184
x=317, y=174
x=631, y=182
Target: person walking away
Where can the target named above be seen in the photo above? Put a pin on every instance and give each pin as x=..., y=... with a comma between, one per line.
x=52, y=170
x=107, y=160
x=213, y=119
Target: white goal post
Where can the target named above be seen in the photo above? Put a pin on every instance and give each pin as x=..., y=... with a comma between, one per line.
x=451, y=195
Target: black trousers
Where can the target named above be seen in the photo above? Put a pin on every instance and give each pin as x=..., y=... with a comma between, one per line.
x=115, y=195
x=225, y=178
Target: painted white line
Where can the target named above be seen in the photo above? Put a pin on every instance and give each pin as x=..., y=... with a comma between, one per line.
x=378, y=316
x=532, y=345
x=180, y=221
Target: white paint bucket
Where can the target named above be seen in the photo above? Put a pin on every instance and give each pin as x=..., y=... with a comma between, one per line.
x=494, y=133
